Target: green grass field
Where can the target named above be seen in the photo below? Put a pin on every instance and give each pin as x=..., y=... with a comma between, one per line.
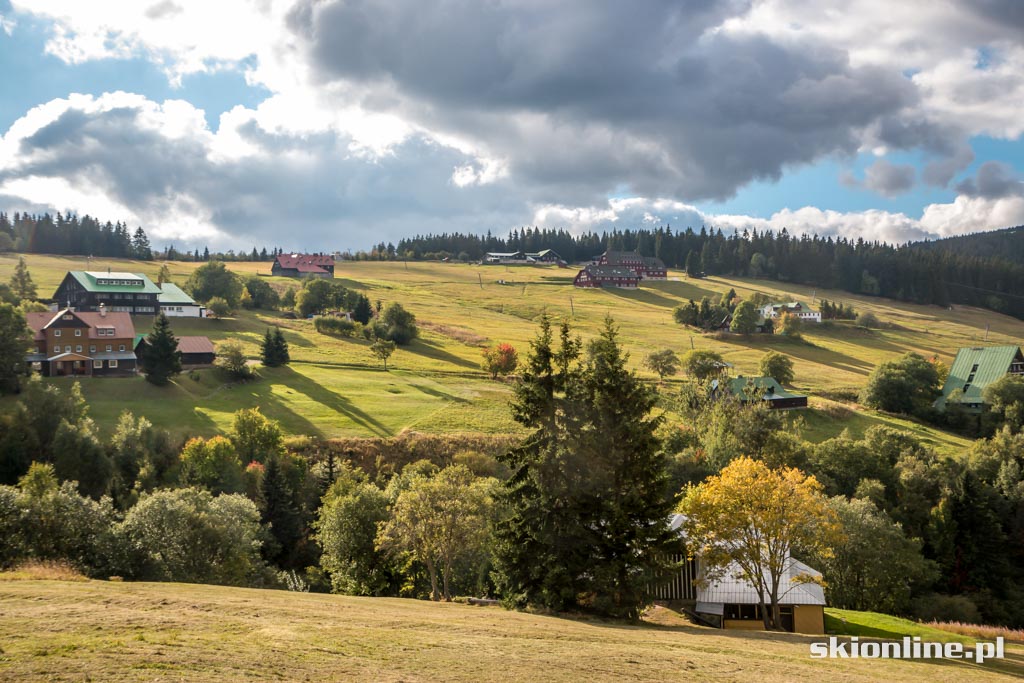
x=335, y=387
x=102, y=631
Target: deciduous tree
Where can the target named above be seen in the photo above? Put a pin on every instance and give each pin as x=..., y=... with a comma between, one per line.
x=500, y=359
x=778, y=366
x=664, y=363
x=749, y=518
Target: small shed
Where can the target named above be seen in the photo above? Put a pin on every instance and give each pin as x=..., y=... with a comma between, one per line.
x=196, y=352
x=749, y=389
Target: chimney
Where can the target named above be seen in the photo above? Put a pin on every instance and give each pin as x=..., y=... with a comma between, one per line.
x=103, y=310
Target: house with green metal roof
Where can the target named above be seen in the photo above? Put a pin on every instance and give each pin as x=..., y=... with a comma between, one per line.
x=133, y=293
x=974, y=369
x=751, y=389
x=87, y=291
x=175, y=303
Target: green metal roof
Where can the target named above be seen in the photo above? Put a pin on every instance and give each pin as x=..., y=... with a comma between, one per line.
x=974, y=369
x=766, y=387
x=99, y=282
x=172, y=294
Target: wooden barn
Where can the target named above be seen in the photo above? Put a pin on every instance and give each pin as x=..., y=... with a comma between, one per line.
x=196, y=352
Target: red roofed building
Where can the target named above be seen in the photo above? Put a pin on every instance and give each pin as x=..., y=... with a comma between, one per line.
x=303, y=265
x=71, y=342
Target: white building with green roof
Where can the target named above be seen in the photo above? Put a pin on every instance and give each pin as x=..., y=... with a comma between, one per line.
x=797, y=308
x=175, y=303
x=974, y=369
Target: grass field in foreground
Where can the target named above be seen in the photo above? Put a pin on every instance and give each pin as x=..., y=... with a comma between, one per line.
x=75, y=631
x=438, y=387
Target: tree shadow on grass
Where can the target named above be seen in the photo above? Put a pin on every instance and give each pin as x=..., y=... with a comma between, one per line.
x=431, y=350
x=646, y=296
x=327, y=398
x=435, y=392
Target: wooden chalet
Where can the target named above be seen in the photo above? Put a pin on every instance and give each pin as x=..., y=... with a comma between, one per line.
x=606, y=276
x=196, y=352
x=731, y=602
x=303, y=265
x=82, y=343
x=87, y=291
x=974, y=369
x=646, y=267
x=751, y=389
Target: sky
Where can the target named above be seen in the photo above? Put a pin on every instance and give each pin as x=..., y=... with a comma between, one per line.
x=338, y=124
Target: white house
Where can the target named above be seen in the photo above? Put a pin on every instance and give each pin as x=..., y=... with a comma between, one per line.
x=800, y=310
x=732, y=602
x=175, y=303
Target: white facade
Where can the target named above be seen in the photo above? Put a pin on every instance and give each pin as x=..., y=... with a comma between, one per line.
x=802, y=311
x=183, y=310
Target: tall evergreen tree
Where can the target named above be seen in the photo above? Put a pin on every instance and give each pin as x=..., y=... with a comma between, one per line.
x=161, y=358
x=281, y=344
x=15, y=339
x=21, y=281
x=631, y=500
x=588, y=500
x=362, y=311
x=279, y=509
x=140, y=245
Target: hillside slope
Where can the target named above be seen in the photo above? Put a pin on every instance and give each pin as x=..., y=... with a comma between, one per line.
x=336, y=388
x=71, y=631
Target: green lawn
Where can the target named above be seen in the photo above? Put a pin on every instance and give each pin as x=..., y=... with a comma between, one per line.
x=335, y=387
x=117, y=632
x=873, y=625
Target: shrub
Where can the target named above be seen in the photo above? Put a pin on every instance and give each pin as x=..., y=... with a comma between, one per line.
x=231, y=358
x=868, y=319
x=190, y=535
x=219, y=307
x=339, y=327
x=935, y=607
x=399, y=325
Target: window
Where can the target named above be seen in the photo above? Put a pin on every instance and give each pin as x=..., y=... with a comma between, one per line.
x=121, y=347
x=78, y=348
x=56, y=348
x=67, y=349
x=92, y=348
x=109, y=348
x=113, y=363
x=743, y=612
x=78, y=333
x=56, y=333
x=97, y=364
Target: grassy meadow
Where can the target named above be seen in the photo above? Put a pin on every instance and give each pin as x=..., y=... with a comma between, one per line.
x=334, y=387
x=108, y=631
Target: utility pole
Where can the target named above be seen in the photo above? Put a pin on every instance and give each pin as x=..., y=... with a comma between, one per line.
x=481, y=280
x=572, y=308
x=986, y=331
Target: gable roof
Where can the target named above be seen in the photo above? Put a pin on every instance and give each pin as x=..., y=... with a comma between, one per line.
x=732, y=589
x=171, y=293
x=791, y=305
x=976, y=367
x=195, y=345
x=611, y=271
x=766, y=389
x=305, y=263
x=120, y=322
x=99, y=282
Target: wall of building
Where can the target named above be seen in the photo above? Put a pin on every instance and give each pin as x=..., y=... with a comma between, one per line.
x=809, y=619
x=745, y=624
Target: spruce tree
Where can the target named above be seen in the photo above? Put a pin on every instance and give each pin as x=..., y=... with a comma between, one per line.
x=362, y=311
x=161, y=358
x=21, y=281
x=278, y=508
x=631, y=500
x=268, y=354
x=543, y=547
x=281, y=345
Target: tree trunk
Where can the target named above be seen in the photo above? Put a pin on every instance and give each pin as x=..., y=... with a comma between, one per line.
x=432, y=570
x=446, y=576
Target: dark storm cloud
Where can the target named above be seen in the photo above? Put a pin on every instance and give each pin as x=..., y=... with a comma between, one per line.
x=585, y=97
x=889, y=180
x=993, y=181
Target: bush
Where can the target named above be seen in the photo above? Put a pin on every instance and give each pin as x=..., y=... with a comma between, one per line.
x=398, y=325
x=231, y=358
x=192, y=536
x=339, y=327
x=906, y=385
x=868, y=319
x=935, y=607
x=219, y=307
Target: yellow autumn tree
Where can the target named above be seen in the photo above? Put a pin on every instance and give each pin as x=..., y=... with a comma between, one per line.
x=748, y=519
